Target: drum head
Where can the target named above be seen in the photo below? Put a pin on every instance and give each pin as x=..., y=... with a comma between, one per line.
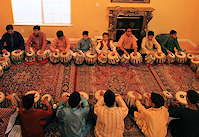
x=130, y=93
x=171, y=55
x=112, y=56
x=6, y=55
x=29, y=54
x=181, y=55
x=190, y=56
x=167, y=94
x=65, y=94
x=181, y=97
x=84, y=94
x=2, y=96
x=88, y=54
x=48, y=96
x=135, y=57
x=36, y=97
x=162, y=55
x=45, y=52
x=97, y=94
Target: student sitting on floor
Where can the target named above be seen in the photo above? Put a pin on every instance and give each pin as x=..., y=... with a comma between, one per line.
x=187, y=124
x=110, y=118
x=72, y=119
x=152, y=121
x=31, y=118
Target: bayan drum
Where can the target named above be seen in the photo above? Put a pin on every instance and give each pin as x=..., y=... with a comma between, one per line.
x=170, y=58
x=89, y=58
x=5, y=63
x=79, y=58
x=124, y=61
x=42, y=57
x=66, y=57
x=85, y=95
x=1, y=71
x=181, y=97
x=6, y=55
x=181, y=58
x=136, y=60
x=130, y=99
x=17, y=58
x=30, y=58
x=149, y=59
x=97, y=94
x=102, y=59
x=36, y=98
x=54, y=57
x=113, y=58
x=50, y=100
x=194, y=64
x=160, y=59
x=169, y=97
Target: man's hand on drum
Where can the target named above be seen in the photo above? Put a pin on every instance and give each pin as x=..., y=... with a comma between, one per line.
x=2, y=58
x=4, y=51
x=177, y=103
x=159, y=53
x=92, y=53
x=9, y=96
x=102, y=93
x=136, y=95
x=81, y=95
x=102, y=52
x=125, y=52
x=169, y=52
x=113, y=54
x=46, y=101
x=135, y=54
x=151, y=54
x=18, y=51
x=41, y=51
x=64, y=98
x=179, y=52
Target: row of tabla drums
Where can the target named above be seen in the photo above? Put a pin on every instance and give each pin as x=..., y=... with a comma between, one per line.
x=180, y=96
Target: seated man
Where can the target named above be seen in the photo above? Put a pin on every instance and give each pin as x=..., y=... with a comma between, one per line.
x=127, y=43
x=13, y=39
x=105, y=45
x=152, y=121
x=72, y=119
x=110, y=118
x=31, y=118
x=170, y=42
x=60, y=43
x=5, y=114
x=37, y=41
x=187, y=122
x=147, y=45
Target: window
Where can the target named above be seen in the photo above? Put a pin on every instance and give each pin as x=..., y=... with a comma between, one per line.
x=42, y=11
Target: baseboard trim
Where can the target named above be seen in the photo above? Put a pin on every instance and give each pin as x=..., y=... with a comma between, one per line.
x=188, y=40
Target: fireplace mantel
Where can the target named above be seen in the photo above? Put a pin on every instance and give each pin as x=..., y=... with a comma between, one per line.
x=114, y=12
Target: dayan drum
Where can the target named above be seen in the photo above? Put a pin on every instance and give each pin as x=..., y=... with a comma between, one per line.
x=89, y=58
x=181, y=97
x=102, y=59
x=50, y=100
x=54, y=57
x=6, y=55
x=42, y=57
x=149, y=59
x=36, y=98
x=130, y=99
x=2, y=100
x=30, y=58
x=84, y=94
x=189, y=57
x=5, y=63
x=66, y=57
x=97, y=94
x=17, y=57
x=160, y=59
x=125, y=60
x=136, y=60
x=170, y=58
x=194, y=64
x=169, y=97
x=79, y=59
x=113, y=58
x=1, y=71
x=181, y=58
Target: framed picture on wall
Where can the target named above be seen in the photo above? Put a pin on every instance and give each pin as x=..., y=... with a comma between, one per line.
x=131, y=1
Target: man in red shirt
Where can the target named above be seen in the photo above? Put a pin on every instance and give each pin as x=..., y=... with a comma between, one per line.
x=31, y=118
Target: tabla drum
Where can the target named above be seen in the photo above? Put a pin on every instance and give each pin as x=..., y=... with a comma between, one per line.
x=54, y=57
x=149, y=59
x=66, y=57
x=17, y=58
x=130, y=99
x=79, y=59
x=189, y=57
x=42, y=57
x=30, y=58
x=6, y=55
x=124, y=61
x=66, y=94
x=97, y=94
x=136, y=60
x=1, y=71
x=2, y=100
x=102, y=59
x=146, y=99
x=170, y=58
x=5, y=63
x=181, y=97
x=84, y=94
x=194, y=64
x=181, y=58
x=50, y=100
x=89, y=58
x=160, y=59
x=169, y=97
x=113, y=59
x=36, y=98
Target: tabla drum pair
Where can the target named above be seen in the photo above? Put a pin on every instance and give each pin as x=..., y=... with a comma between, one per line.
x=124, y=61
x=102, y=59
x=170, y=58
x=5, y=63
x=160, y=59
x=79, y=58
x=181, y=97
x=181, y=58
x=130, y=99
x=54, y=57
x=149, y=60
x=136, y=60
x=169, y=97
x=113, y=58
x=30, y=58
x=66, y=57
x=42, y=57
x=89, y=58
x=16, y=57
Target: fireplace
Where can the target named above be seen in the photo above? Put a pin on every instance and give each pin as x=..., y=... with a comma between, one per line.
x=122, y=17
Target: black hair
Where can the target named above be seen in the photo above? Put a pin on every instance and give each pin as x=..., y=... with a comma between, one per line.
x=150, y=33
x=105, y=33
x=9, y=27
x=59, y=33
x=109, y=98
x=85, y=33
x=74, y=99
x=127, y=28
x=36, y=27
x=28, y=101
x=192, y=96
x=157, y=99
x=173, y=32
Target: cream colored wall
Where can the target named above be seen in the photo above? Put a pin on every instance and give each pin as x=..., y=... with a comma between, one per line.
x=169, y=14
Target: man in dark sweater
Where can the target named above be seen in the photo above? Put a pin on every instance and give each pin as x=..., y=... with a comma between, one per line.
x=13, y=39
x=187, y=124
